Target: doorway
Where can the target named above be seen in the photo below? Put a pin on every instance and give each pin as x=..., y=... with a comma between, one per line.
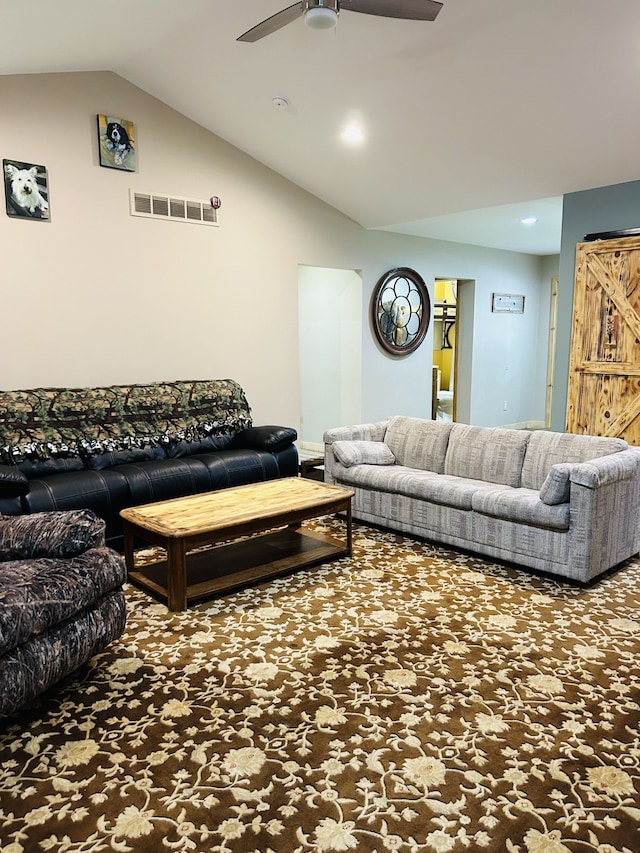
x=445, y=338
x=330, y=346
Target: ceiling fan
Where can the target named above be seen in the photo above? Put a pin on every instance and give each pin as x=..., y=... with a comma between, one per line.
x=323, y=14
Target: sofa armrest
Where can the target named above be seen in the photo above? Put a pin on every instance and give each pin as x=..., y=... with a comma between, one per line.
x=374, y=431
x=361, y=432
x=50, y=534
x=604, y=470
x=604, y=513
x=270, y=438
x=13, y=483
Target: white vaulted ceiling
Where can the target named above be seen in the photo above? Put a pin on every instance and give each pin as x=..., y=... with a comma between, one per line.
x=487, y=115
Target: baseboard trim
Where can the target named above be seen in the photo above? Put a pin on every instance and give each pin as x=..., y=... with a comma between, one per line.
x=311, y=447
x=525, y=425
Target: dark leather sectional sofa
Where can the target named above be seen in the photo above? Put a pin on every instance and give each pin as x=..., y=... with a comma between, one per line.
x=112, y=447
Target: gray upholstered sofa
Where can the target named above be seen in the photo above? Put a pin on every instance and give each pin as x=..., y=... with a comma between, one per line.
x=556, y=502
x=61, y=599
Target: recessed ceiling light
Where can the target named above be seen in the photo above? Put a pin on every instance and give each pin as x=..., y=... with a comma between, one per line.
x=353, y=134
x=530, y=220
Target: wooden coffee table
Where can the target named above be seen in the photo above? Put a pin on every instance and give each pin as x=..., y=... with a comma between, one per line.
x=275, y=509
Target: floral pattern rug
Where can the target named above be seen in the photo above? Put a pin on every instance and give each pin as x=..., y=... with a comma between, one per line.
x=410, y=699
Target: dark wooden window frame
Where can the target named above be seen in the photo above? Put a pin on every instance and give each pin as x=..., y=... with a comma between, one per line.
x=409, y=292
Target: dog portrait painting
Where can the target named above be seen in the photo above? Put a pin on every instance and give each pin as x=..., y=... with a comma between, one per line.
x=116, y=141
x=26, y=189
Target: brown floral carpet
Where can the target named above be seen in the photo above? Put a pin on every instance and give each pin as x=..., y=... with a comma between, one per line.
x=412, y=699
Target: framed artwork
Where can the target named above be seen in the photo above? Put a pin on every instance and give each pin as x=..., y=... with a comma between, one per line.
x=400, y=311
x=26, y=189
x=507, y=303
x=117, y=143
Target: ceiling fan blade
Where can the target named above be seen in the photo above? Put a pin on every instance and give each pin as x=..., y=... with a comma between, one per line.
x=275, y=22
x=413, y=10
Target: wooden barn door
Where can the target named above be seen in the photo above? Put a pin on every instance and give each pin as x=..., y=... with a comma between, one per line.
x=604, y=370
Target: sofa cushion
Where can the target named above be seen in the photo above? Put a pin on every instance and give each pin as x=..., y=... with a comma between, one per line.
x=556, y=487
x=444, y=490
x=491, y=454
x=100, y=461
x=162, y=479
x=240, y=467
x=105, y=492
x=34, y=468
x=549, y=448
x=208, y=444
x=418, y=443
x=350, y=453
x=520, y=505
x=423, y=485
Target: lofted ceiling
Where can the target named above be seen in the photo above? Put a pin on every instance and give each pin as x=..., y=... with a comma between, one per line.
x=486, y=115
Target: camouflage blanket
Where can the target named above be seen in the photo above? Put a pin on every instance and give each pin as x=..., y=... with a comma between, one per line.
x=44, y=423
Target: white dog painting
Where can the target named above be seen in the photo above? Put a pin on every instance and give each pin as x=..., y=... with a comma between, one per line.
x=26, y=189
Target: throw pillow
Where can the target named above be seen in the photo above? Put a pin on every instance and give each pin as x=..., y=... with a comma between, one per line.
x=350, y=453
x=555, y=489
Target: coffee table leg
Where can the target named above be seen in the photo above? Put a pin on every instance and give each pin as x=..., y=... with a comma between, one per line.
x=127, y=531
x=176, y=574
x=349, y=533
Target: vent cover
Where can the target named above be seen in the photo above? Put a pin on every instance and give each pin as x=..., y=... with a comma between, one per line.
x=169, y=207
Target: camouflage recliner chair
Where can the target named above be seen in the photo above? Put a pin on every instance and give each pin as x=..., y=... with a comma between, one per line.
x=61, y=599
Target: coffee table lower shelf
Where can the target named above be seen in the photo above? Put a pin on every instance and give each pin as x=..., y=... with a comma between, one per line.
x=224, y=567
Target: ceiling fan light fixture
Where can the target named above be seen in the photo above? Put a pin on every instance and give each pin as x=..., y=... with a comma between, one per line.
x=321, y=18
x=323, y=14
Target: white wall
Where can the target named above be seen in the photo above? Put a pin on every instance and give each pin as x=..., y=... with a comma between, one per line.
x=550, y=269
x=96, y=296
x=505, y=347
x=330, y=335
x=465, y=347
x=516, y=379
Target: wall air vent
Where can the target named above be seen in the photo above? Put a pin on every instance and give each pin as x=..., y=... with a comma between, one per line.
x=168, y=207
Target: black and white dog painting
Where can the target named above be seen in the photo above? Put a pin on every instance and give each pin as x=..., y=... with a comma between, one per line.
x=117, y=145
x=26, y=189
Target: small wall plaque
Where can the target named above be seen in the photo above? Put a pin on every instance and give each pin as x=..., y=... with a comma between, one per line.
x=509, y=303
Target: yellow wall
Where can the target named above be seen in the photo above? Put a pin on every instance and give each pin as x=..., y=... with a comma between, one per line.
x=443, y=358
